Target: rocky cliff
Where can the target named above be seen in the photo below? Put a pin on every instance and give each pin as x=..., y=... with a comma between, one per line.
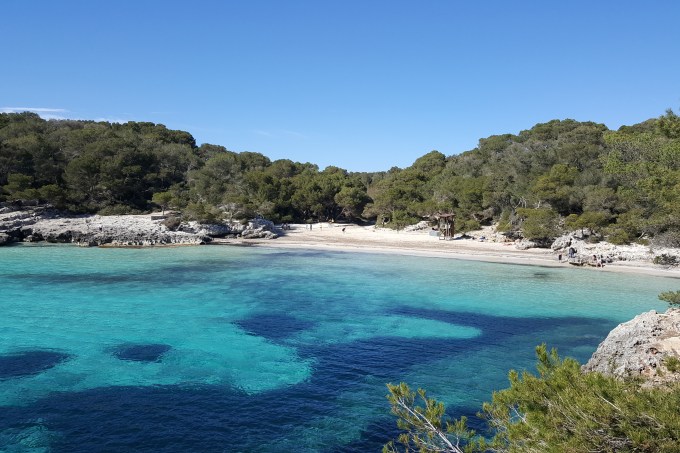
x=647, y=346
x=37, y=224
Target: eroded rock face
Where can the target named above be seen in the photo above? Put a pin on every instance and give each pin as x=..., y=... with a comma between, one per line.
x=213, y=230
x=641, y=347
x=585, y=249
x=46, y=224
x=42, y=223
x=524, y=244
x=260, y=229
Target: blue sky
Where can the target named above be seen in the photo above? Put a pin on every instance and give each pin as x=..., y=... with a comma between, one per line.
x=363, y=85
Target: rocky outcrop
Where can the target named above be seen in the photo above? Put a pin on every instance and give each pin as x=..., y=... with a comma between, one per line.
x=642, y=347
x=524, y=244
x=35, y=224
x=260, y=229
x=216, y=230
x=46, y=224
x=612, y=253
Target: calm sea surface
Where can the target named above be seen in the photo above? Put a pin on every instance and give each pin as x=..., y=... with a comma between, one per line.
x=211, y=349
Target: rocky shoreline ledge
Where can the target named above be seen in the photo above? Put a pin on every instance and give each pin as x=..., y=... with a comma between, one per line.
x=43, y=223
x=647, y=346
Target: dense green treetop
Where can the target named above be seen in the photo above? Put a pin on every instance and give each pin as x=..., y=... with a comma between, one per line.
x=623, y=185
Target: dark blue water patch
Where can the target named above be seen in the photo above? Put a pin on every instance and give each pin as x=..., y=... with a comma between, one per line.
x=542, y=275
x=573, y=336
x=384, y=428
x=171, y=275
x=94, y=279
x=287, y=254
x=274, y=326
x=507, y=325
x=89, y=278
x=29, y=437
x=372, y=438
x=28, y=363
x=338, y=366
x=217, y=418
x=169, y=419
x=141, y=352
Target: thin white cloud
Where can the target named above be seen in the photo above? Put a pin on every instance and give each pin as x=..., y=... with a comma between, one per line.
x=58, y=114
x=263, y=133
x=295, y=134
x=31, y=109
x=45, y=113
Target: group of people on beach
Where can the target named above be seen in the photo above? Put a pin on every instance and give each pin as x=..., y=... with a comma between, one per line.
x=596, y=261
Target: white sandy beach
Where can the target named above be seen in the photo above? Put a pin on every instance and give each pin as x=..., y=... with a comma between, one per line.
x=368, y=239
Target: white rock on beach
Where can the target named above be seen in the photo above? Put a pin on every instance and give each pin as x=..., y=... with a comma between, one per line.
x=45, y=224
x=260, y=229
x=630, y=252
x=34, y=224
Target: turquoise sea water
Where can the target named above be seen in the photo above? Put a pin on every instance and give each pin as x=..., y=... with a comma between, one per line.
x=244, y=349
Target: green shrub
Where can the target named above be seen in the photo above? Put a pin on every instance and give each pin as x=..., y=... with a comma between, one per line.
x=560, y=409
x=118, y=209
x=172, y=223
x=504, y=223
x=672, y=297
x=539, y=224
x=666, y=260
x=618, y=236
x=672, y=364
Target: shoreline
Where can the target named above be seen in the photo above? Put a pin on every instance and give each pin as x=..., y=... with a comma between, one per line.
x=357, y=239
x=140, y=231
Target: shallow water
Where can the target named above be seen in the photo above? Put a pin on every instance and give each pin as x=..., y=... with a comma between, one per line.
x=241, y=349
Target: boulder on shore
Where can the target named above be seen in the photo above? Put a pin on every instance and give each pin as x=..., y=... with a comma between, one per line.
x=641, y=347
x=260, y=229
x=4, y=239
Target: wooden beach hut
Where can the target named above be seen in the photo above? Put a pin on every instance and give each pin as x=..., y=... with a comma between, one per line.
x=447, y=226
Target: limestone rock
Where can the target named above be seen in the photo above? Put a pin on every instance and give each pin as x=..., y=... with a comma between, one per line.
x=524, y=244
x=611, y=252
x=640, y=348
x=46, y=224
x=260, y=229
x=4, y=238
x=215, y=230
x=423, y=225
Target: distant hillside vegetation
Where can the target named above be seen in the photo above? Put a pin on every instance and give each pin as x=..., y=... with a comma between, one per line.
x=623, y=185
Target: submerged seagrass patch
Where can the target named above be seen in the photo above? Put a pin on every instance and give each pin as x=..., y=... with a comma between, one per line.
x=141, y=352
x=29, y=363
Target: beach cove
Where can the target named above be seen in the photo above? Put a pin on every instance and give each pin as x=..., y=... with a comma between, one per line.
x=273, y=348
x=354, y=238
